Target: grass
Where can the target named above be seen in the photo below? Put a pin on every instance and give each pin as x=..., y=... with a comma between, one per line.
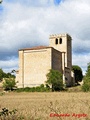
x=39, y=106
x=75, y=89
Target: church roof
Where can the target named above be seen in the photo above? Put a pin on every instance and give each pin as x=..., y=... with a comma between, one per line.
x=36, y=48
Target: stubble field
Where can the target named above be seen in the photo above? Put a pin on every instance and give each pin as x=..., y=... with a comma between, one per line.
x=48, y=106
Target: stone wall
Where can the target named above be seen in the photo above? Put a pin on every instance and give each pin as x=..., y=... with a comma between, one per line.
x=34, y=65
x=56, y=60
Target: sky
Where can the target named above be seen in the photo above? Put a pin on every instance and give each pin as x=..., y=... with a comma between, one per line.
x=28, y=23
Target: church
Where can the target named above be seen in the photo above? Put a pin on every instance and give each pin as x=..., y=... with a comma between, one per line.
x=35, y=62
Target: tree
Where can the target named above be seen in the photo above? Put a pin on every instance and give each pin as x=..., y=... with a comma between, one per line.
x=77, y=73
x=88, y=71
x=9, y=84
x=10, y=75
x=0, y=1
x=86, y=81
x=54, y=78
x=1, y=74
x=5, y=75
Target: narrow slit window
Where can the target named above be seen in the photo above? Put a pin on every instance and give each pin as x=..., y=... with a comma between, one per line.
x=56, y=41
x=60, y=41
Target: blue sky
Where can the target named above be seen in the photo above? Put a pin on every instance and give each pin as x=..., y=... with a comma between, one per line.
x=57, y=2
x=28, y=23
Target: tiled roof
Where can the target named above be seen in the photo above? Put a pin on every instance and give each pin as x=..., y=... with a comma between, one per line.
x=36, y=48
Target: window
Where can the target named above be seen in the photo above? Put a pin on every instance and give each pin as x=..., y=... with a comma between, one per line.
x=56, y=41
x=60, y=41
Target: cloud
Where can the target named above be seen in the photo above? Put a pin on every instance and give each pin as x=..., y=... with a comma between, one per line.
x=33, y=3
x=81, y=60
x=9, y=64
x=27, y=23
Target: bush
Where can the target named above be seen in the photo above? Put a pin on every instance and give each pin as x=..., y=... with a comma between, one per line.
x=54, y=78
x=42, y=85
x=77, y=73
x=40, y=88
x=9, y=84
x=5, y=75
x=86, y=81
x=6, y=114
x=1, y=74
x=86, y=84
x=47, y=86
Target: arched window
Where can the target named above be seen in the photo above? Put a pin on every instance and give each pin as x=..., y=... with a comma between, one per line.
x=56, y=41
x=60, y=40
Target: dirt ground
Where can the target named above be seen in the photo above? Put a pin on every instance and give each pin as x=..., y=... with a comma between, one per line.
x=50, y=105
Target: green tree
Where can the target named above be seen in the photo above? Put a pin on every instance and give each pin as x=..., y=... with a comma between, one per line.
x=54, y=78
x=5, y=75
x=1, y=74
x=0, y=1
x=10, y=75
x=88, y=71
x=86, y=80
x=9, y=84
x=77, y=73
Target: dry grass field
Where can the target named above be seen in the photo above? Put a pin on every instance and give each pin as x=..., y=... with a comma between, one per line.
x=39, y=106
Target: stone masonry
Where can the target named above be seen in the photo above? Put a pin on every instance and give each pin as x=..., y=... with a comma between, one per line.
x=35, y=63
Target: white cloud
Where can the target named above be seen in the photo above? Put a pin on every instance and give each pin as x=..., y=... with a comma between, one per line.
x=9, y=65
x=81, y=60
x=30, y=24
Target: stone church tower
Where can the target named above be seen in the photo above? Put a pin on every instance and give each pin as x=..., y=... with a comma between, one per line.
x=35, y=63
x=63, y=43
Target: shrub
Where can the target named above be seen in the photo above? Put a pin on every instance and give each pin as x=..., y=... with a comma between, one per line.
x=40, y=88
x=54, y=78
x=9, y=84
x=6, y=114
x=86, y=81
x=42, y=85
x=5, y=75
x=77, y=73
x=86, y=84
x=1, y=74
x=47, y=86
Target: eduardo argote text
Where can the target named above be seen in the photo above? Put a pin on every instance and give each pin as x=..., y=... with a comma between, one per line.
x=80, y=115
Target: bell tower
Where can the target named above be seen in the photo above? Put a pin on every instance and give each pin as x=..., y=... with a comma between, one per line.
x=63, y=43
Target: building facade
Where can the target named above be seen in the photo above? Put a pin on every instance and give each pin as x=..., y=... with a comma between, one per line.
x=35, y=63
